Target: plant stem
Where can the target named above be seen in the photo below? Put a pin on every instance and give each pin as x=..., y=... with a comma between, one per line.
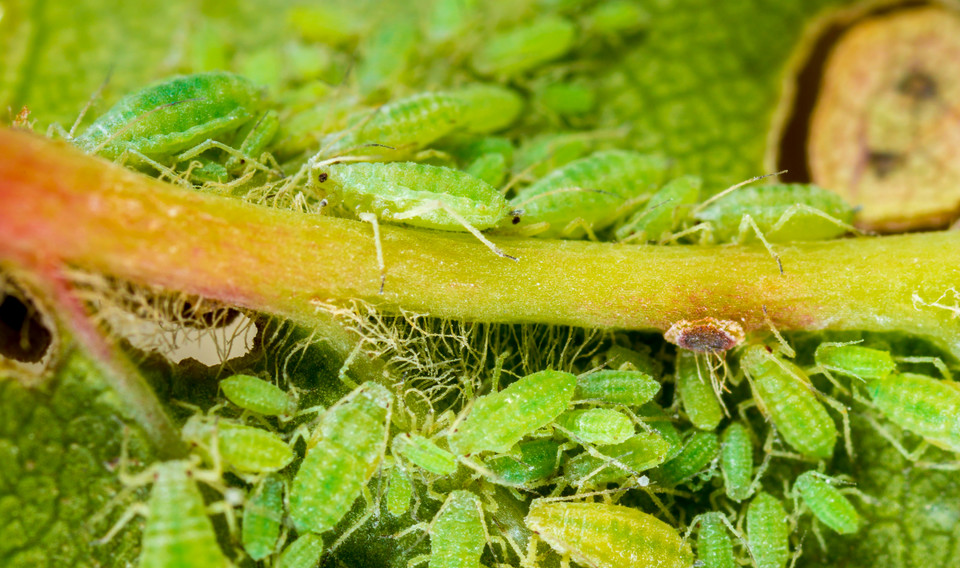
x=61, y=205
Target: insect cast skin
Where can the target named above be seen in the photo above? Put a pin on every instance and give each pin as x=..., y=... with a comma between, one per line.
x=608, y=536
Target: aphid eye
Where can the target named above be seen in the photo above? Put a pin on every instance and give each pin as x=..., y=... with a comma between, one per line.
x=516, y=219
x=322, y=177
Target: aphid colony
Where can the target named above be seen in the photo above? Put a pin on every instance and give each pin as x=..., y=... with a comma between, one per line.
x=594, y=463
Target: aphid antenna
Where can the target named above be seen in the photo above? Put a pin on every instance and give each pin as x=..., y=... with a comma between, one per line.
x=86, y=107
x=733, y=188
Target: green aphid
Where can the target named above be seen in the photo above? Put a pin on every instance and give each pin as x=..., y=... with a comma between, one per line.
x=784, y=394
x=697, y=454
x=736, y=462
x=424, y=454
x=640, y=453
x=588, y=194
x=457, y=533
x=305, y=552
x=714, y=547
x=257, y=395
x=630, y=388
x=397, y=130
x=662, y=216
x=791, y=212
x=827, y=502
x=597, y=426
x=178, y=531
x=246, y=449
x=185, y=112
x=447, y=21
x=608, y=536
x=696, y=391
x=855, y=361
x=487, y=107
x=658, y=421
x=342, y=455
x=768, y=532
x=923, y=405
x=255, y=137
x=331, y=23
x=533, y=461
x=499, y=420
x=386, y=54
x=491, y=168
x=399, y=491
x=617, y=18
x=523, y=48
x=262, y=518
x=624, y=358
x=543, y=153
x=566, y=99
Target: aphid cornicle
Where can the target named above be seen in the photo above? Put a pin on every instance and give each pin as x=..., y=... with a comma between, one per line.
x=426, y=196
x=923, y=405
x=608, y=536
x=784, y=394
x=768, y=532
x=587, y=194
x=457, y=534
x=499, y=420
x=826, y=502
x=342, y=455
x=173, y=116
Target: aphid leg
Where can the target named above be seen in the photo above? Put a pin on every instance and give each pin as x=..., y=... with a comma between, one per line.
x=581, y=223
x=372, y=219
x=802, y=207
x=59, y=130
x=910, y=456
x=768, y=448
x=128, y=515
x=164, y=170
x=746, y=223
x=784, y=346
x=434, y=205
x=935, y=361
x=233, y=152
x=705, y=229
x=372, y=507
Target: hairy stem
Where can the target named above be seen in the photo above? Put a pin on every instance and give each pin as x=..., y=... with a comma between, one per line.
x=60, y=205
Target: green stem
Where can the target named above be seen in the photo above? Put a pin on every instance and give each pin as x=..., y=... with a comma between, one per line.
x=62, y=205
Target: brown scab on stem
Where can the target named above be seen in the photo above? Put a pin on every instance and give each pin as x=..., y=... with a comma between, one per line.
x=707, y=335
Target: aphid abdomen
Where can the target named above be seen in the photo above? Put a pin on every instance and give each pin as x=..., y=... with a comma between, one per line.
x=923, y=405
x=262, y=515
x=173, y=115
x=827, y=503
x=424, y=454
x=590, y=189
x=342, y=456
x=391, y=189
x=767, y=532
x=714, y=548
x=457, y=536
x=608, y=536
x=856, y=361
x=499, y=420
x=257, y=395
x=696, y=391
x=305, y=552
x=631, y=388
x=785, y=395
x=178, y=531
x=736, y=461
x=599, y=426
